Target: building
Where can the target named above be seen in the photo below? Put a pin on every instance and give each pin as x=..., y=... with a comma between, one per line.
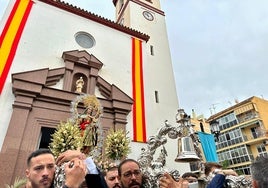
x=199, y=125
x=47, y=45
x=243, y=133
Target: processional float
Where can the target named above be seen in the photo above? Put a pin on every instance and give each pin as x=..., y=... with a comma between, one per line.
x=188, y=151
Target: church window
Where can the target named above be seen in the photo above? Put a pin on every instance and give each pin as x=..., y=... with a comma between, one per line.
x=152, y=50
x=84, y=39
x=156, y=95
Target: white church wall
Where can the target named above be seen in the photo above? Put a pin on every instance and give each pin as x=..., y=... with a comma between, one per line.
x=48, y=33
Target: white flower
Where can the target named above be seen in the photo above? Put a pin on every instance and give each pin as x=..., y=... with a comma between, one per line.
x=117, y=145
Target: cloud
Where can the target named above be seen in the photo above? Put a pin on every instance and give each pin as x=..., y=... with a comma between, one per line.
x=218, y=51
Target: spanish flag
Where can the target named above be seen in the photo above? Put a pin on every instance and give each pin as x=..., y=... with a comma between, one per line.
x=11, y=35
x=139, y=127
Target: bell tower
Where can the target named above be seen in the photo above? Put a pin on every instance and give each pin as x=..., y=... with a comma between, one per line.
x=160, y=96
x=129, y=11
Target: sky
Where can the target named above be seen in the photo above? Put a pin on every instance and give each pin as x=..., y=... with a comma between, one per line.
x=218, y=49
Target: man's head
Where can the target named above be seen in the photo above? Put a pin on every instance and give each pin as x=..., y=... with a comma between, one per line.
x=111, y=177
x=190, y=177
x=130, y=174
x=259, y=172
x=211, y=166
x=41, y=168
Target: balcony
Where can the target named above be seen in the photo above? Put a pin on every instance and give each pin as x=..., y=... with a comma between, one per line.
x=249, y=123
x=247, y=117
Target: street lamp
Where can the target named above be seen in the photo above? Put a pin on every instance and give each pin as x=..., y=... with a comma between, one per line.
x=215, y=129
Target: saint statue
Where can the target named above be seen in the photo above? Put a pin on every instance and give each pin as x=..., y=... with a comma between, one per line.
x=79, y=85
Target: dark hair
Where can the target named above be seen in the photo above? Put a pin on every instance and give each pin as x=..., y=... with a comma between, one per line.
x=125, y=161
x=189, y=174
x=37, y=153
x=259, y=171
x=209, y=166
x=112, y=168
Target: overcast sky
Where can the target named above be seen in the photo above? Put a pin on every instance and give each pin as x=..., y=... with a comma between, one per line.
x=219, y=49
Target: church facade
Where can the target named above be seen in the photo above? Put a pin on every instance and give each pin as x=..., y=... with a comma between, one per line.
x=47, y=45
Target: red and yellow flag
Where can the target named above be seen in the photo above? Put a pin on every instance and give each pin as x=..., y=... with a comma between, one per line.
x=139, y=127
x=10, y=36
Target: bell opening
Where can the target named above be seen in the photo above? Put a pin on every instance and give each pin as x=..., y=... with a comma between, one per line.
x=187, y=157
x=186, y=151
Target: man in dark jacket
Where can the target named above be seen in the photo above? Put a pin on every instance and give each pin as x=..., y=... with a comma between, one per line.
x=129, y=174
x=41, y=169
x=216, y=175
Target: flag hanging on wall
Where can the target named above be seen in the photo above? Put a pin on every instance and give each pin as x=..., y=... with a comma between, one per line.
x=208, y=146
x=139, y=127
x=11, y=35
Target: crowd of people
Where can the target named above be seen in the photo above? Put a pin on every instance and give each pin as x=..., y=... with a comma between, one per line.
x=81, y=171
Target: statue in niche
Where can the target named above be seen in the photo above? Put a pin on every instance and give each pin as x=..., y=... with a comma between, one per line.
x=79, y=85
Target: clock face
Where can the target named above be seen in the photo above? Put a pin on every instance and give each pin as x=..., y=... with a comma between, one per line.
x=148, y=15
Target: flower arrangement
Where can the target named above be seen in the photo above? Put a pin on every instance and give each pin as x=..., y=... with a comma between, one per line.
x=117, y=145
x=66, y=137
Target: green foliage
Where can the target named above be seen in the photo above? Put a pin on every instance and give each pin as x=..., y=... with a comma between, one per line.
x=239, y=172
x=225, y=164
x=66, y=137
